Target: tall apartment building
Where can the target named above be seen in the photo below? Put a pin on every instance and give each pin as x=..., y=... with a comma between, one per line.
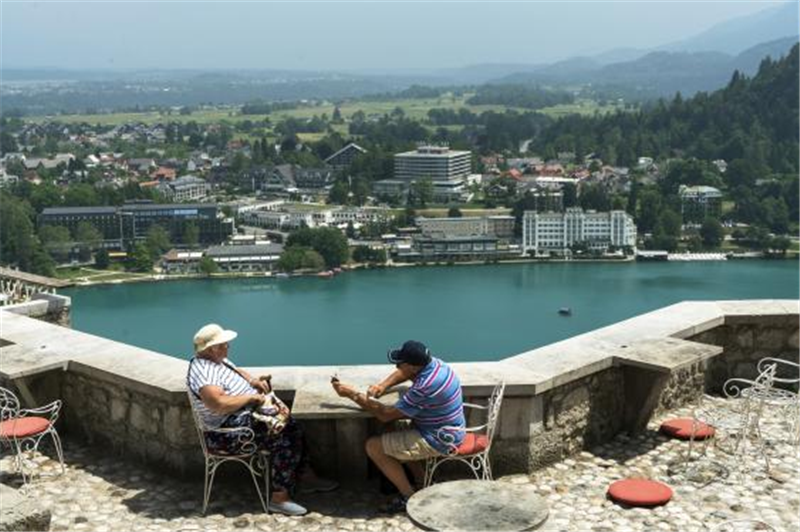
x=438, y=163
x=543, y=233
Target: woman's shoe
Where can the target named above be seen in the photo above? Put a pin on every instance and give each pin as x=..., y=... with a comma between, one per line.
x=287, y=508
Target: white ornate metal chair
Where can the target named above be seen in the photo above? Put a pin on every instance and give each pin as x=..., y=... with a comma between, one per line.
x=256, y=461
x=474, y=449
x=780, y=395
x=736, y=421
x=23, y=429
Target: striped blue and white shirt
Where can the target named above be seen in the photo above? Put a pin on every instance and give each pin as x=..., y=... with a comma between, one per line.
x=434, y=401
x=204, y=372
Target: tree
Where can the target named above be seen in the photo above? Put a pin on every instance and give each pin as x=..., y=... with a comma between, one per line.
x=18, y=243
x=81, y=195
x=454, y=212
x=421, y=192
x=329, y=242
x=88, y=238
x=157, y=241
x=712, y=233
x=140, y=259
x=300, y=258
x=56, y=241
x=350, y=232
x=207, y=266
x=101, y=259
x=191, y=234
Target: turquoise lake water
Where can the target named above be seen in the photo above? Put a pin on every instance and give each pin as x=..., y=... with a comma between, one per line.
x=463, y=313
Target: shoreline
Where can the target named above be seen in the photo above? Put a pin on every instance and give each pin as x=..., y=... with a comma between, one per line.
x=159, y=277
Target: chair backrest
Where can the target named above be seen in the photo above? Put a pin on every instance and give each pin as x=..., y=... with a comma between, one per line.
x=786, y=371
x=493, y=412
x=198, y=423
x=744, y=388
x=9, y=404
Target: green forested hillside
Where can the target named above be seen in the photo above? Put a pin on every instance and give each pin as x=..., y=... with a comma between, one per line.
x=752, y=119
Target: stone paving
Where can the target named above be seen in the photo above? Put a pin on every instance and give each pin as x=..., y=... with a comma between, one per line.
x=101, y=492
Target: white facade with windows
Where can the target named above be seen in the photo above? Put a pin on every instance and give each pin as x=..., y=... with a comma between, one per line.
x=437, y=163
x=543, y=233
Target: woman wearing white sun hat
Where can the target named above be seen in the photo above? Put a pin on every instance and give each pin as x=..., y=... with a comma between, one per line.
x=226, y=396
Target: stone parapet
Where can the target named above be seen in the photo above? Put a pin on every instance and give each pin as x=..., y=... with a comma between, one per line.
x=559, y=398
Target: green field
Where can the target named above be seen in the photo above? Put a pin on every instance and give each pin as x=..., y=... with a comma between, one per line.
x=413, y=108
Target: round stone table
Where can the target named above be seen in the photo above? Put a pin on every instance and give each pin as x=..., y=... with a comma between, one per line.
x=477, y=505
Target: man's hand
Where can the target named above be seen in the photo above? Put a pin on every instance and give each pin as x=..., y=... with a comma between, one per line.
x=343, y=390
x=376, y=390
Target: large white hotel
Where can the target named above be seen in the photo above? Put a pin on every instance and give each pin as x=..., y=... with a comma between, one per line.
x=439, y=163
x=543, y=233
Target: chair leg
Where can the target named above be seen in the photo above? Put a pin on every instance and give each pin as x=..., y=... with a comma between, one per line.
x=487, y=467
x=59, y=451
x=211, y=470
x=252, y=469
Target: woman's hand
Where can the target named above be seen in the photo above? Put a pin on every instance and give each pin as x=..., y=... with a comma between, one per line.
x=263, y=384
x=258, y=400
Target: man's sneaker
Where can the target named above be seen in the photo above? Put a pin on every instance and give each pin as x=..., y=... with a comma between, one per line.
x=396, y=506
x=287, y=508
x=317, y=485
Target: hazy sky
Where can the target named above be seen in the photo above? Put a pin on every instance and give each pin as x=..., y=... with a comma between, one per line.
x=337, y=35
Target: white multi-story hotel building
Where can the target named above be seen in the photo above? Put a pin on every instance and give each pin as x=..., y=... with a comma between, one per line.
x=438, y=163
x=543, y=233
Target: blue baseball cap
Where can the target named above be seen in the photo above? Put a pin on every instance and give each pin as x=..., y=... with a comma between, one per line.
x=412, y=352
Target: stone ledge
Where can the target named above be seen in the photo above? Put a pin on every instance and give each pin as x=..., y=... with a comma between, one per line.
x=530, y=373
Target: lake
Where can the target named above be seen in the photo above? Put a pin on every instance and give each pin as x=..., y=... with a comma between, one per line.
x=463, y=313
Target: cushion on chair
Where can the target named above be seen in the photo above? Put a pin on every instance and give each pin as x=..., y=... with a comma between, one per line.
x=682, y=429
x=23, y=427
x=640, y=492
x=473, y=444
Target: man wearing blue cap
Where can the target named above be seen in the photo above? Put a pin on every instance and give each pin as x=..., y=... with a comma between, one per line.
x=433, y=404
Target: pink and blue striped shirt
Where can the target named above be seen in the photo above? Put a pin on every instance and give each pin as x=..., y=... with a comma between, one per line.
x=434, y=401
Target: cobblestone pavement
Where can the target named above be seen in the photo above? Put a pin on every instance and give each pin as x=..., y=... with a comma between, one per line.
x=101, y=493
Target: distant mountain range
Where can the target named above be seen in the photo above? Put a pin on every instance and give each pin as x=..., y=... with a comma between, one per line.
x=659, y=73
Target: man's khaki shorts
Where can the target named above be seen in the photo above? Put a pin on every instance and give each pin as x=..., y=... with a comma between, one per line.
x=407, y=446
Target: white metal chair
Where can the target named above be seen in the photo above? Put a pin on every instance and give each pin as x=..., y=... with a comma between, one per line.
x=736, y=420
x=474, y=449
x=780, y=396
x=250, y=456
x=23, y=429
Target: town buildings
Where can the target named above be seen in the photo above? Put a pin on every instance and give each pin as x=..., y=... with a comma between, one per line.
x=561, y=232
x=699, y=203
x=344, y=158
x=185, y=188
x=122, y=226
x=447, y=169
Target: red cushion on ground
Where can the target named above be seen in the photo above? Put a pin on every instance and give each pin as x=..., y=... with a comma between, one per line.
x=473, y=443
x=23, y=427
x=682, y=429
x=640, y=492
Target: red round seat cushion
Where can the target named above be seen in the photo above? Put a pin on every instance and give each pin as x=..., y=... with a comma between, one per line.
x=681, y=428
x=640, y=492
x=473, y=443
x=23, y=427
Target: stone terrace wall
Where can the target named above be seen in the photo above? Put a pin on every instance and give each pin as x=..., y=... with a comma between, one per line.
x=535, y=431
x=746, y=340
x=559, y=400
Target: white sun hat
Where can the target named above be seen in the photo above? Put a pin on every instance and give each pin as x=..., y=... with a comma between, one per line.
x=212, y=334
